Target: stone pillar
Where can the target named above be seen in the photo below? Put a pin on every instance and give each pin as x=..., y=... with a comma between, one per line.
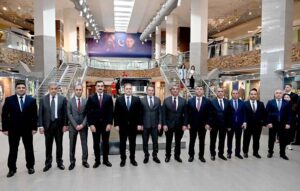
x=70, y=30
x=82, y=44
x=250, y=44
x=198, y=44
x=44, y=39
x=157, y=42
x=171, y=35
x=277, y=18
x=225, y=47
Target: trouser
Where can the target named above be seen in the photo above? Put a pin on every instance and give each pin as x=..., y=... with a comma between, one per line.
x=169, y=137
x=237, y=131
x=54, y=132
x=73, y=139
x=129, y=133
x=279, y=130
x=213, y=138
x=255, y=132
x=201, y=131
x=154, y=135
x=14, y=140
x=105, y=142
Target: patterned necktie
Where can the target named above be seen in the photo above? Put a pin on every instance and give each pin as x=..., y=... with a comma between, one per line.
x=21, y=103
x=128, y=103
x=100, y=101
x=78, y=106
x=221, y=104
x=151, y=102
x=279, y=105
x=253, y=106
x=52, y=105
x=198, y=104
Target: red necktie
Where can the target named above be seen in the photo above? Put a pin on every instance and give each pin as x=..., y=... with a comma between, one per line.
x=100, y=101
x=78, y=106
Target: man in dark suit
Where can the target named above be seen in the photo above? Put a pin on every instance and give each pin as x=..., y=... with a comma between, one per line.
x=220, y=118
x=237, y=125
x=152, y=122
x=288, y=90
x=53, y=122
x=174, y=119
x=100, y=119
x=255, y=115
x=279, y=114
x=78, y=124
x=128, y=120
x=198, y=121
x=19, y=120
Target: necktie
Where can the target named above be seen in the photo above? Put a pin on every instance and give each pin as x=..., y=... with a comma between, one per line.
x=253, y=106
x=78, y=106
x=128, y=103
x=235, y=105
x=151, y=102
x=174, y=104
x=198, y=104
x=100, y=101
x=279, y=105
x=221, y=104
x=21, y=103
x=52, y=105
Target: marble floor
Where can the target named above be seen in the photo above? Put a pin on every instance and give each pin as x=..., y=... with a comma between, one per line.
x=239, y=175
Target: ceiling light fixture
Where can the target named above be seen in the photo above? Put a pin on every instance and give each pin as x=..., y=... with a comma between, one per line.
x=4, y=8
x=122, y=14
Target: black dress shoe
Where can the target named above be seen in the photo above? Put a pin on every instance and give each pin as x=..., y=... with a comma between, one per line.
x=167, y=159
x=86, y=165
x=72, y=165
x=213, y=158
x=11, y=173
x=107, y=163
x=191, y=159
x=61, y=166
x=155, y=159
x=133, y=162
x=222, y=157
x=239, y=156
x=246, y=155
x=122, y=163
x=178, y=159
x=146, y=160
x=47, y=167
x=202, y=159
x=284, y=157
x=96, y=164
x=270, y=155
x=31, y=171
x=257, y=155
x=229, y=156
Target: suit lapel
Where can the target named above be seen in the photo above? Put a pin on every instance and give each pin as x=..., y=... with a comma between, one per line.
x=48, y=101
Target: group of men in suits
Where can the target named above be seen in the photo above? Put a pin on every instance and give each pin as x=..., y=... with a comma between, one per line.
x=131, y=114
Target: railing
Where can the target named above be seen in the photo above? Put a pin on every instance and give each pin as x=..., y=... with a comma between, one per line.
x=121, y=65
x=16, y=41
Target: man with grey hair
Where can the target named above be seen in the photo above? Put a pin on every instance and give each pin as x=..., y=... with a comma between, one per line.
x=53, y=123
x=78, y=124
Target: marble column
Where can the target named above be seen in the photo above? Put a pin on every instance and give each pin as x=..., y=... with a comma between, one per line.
x=198, y=42
x=45, y=37
x=82, y=44
x=70, y=30
x=157, y=42
x=171, y=34
x=277, y=18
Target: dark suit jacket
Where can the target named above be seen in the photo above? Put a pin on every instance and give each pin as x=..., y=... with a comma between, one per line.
x=274, y=115
x=125, y=118
x=75, y=117
x=13, y=120
x=151, y=116
x=220, y=118
x=172, y=118
x=45, y=112
x=198, y=119
x=238, y=116
x=99, y=117
x=257, y=118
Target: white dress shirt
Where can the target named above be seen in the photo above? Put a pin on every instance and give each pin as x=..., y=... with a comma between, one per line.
x=197, y=99
x=255, y=104
x=148, y=98
x=176, y=101
x=19, y=100
x=55, y=101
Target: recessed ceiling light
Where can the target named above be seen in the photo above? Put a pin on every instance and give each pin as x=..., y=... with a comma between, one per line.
x=4, y=8
x=19, y=8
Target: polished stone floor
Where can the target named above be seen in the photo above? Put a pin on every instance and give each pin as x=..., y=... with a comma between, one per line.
x=239, y=175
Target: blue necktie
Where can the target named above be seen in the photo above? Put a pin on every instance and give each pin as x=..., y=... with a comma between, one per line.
x=21, y=103
x=128, y=103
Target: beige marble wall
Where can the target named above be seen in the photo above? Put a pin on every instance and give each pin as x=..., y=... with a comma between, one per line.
x=12, y=56
x=155, y=72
